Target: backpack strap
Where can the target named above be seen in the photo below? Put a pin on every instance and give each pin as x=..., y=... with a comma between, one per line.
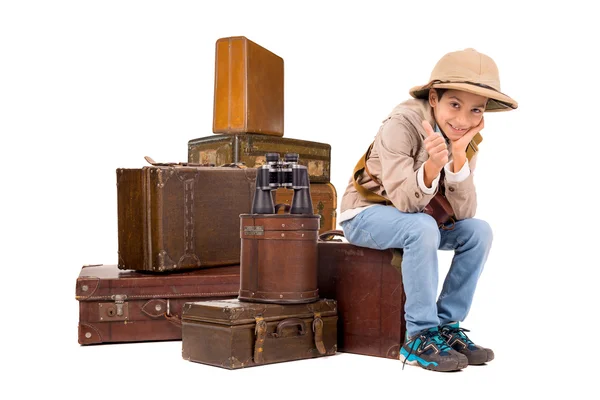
x=361, y=166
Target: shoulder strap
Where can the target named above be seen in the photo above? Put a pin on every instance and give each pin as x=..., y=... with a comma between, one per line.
x=473, y=147
x=361, y=166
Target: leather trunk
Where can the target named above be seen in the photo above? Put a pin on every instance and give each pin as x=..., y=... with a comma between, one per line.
x=248, y=88
x=251, y=149
x=324, y=199
x=181, y=217
x=370, y=297
x=129, y=306
x=234, y=334
x=279, y=258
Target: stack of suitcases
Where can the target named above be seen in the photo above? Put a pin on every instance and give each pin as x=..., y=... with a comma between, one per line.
x=239, y=289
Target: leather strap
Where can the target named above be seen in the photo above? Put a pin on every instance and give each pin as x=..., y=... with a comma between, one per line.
x=261, y=334
x=174, y=319
x=361, y=166
x=317, y=327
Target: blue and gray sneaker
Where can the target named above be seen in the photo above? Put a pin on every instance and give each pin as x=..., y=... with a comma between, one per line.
x=429, y=350
x=459, y=341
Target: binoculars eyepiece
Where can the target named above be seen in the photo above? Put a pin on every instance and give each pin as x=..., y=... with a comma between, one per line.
x=286, y=173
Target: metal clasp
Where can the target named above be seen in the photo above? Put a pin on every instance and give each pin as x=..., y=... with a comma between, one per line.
x=119, y=300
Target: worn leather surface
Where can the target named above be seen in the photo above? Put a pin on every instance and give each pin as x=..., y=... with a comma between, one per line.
x=129, y=306
x=370, y=297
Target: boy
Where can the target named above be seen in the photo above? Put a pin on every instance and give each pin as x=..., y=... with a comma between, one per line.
x=427, y=145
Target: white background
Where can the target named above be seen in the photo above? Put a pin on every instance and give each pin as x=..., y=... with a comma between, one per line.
x=88, y=87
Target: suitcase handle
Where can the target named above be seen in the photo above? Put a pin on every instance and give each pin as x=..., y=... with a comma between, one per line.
x=287, y=323
x=172, y=164
x=329, y=235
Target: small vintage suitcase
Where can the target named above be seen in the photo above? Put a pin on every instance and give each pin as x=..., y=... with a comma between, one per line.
x=251, y=150
x=129, y=306
x=368, y=289
x=324, y=199
x=278, y=262
x=174, y=217
x=234, y=334
x=248, y=88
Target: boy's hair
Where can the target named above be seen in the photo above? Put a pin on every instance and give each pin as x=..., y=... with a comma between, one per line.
x=440, y=93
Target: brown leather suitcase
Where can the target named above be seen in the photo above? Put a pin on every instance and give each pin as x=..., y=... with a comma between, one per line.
x=248, y=88
x=370, y=297
x=234, y=334
x=324, y=199
x=174, y=217
x=251, y=150
x=129, y=306
x=279, y=258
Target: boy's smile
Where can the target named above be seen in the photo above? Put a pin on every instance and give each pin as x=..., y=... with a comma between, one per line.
x=457, y=111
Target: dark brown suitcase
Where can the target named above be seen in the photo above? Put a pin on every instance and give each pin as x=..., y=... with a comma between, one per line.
x=234, y=334
x=370, y=297
x=251, y=150
x=181, y=217
x=248, y=88
x=279, y=258
x=324, y=199
x=129, y=306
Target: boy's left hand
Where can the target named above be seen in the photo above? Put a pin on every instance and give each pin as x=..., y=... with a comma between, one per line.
x=460, y=146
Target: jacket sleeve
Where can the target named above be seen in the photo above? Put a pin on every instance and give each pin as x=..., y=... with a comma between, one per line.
x=462, y=196
x=398, y=174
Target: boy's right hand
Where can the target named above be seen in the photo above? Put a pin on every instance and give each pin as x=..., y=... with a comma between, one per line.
x=436, y=148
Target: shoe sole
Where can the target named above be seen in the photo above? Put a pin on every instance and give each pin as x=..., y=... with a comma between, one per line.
x=463, y=362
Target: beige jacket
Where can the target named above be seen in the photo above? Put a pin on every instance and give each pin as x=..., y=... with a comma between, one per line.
x=398, y=153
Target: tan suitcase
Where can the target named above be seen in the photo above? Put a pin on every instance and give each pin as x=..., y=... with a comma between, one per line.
x=248, y=88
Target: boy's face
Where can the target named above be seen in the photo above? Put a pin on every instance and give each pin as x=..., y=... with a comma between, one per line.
x=457, y=111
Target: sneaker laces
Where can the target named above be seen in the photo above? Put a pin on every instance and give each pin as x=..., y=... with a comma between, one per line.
x=427, y=337
x=453, y=330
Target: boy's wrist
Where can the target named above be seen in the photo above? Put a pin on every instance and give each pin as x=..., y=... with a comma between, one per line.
x=458, y=161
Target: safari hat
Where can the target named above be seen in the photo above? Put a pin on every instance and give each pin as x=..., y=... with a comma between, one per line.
x=472, y=72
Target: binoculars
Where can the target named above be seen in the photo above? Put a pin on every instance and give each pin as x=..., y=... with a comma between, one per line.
x=286, y=173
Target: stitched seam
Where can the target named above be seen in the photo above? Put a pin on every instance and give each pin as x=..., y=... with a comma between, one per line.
x=94, y=329
x=93, y=291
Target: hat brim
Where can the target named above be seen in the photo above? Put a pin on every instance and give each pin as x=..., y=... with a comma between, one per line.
x=497, y=101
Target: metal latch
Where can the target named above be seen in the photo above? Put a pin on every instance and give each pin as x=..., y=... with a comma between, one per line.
x=117, y=311
x=119, y=300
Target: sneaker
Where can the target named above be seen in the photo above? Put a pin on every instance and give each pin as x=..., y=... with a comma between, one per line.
x=459, y=341
x=429, y=350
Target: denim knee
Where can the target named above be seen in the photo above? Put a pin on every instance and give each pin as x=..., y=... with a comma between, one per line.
x=479, y=231
x=425, y=231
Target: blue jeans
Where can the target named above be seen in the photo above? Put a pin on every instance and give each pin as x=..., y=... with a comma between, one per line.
x=385, y=227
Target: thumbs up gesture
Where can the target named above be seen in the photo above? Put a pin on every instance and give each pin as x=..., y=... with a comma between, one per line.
x=436, y=148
